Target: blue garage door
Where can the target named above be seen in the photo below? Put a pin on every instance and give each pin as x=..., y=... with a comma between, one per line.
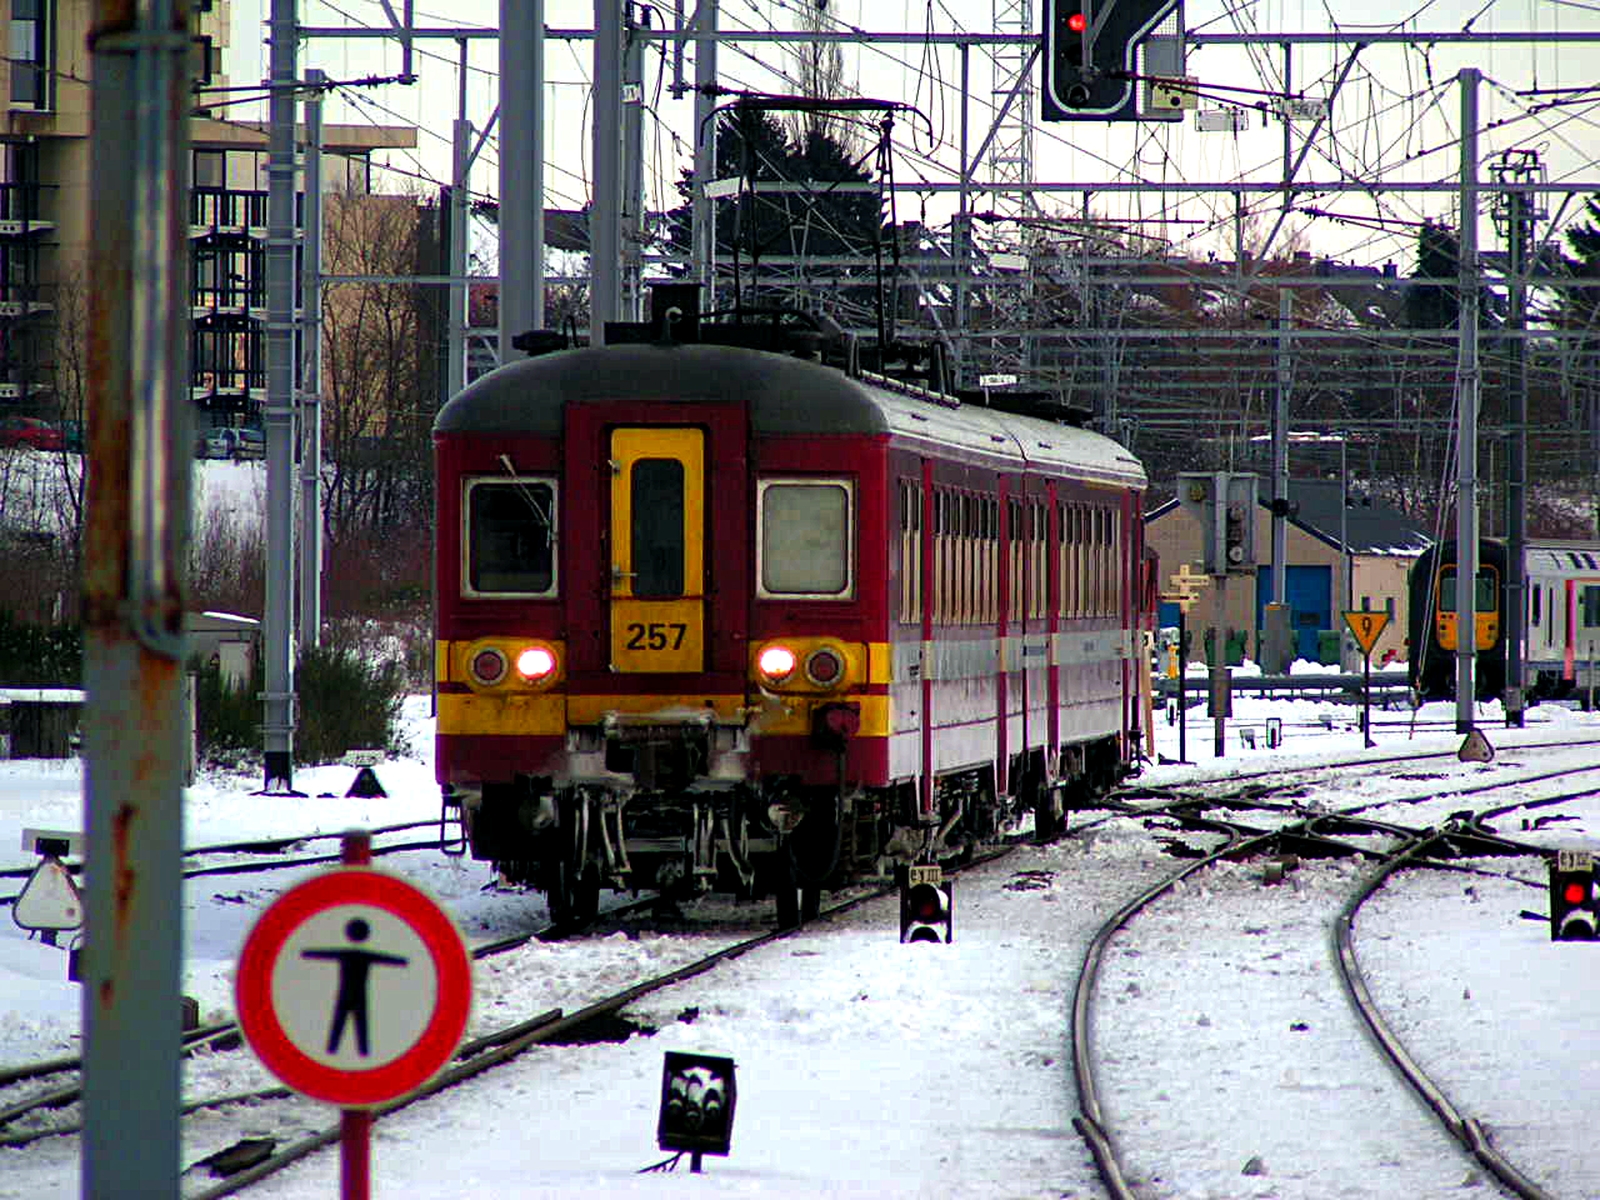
x=1309, y=593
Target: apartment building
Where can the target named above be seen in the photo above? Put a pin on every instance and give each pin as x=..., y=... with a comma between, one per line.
x=44, y=215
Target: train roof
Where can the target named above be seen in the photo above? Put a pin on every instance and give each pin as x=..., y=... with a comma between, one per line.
x=784, y=395
x=1545, y=555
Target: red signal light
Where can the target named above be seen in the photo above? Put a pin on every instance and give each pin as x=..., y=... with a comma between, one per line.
x=1077, y=22
x=1577, y=893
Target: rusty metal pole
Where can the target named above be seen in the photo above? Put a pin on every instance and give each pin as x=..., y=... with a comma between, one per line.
x=136, y=540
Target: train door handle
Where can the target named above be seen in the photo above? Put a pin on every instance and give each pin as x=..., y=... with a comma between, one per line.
x=618, y=574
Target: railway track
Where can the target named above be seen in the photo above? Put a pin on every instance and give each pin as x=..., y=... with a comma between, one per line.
x=498, y=1035
x=1288, y=999
x=1258, y=808
x=263, y=854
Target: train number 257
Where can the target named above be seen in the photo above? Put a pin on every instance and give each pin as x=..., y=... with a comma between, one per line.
x=657, y=635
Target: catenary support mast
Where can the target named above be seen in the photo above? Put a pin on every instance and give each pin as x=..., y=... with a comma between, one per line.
x=135, y=560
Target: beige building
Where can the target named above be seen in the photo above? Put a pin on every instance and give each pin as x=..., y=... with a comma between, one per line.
x=44, y=211
x=1339, y=557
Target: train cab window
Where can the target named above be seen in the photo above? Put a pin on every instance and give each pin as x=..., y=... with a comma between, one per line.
x=510, y=537
x=1485, y=597
x=807, y=529
x=656, y=505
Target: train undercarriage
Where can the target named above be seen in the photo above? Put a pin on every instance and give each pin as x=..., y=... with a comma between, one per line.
x=574, y=839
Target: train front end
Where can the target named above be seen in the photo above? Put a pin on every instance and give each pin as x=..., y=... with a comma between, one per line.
x=613, y=708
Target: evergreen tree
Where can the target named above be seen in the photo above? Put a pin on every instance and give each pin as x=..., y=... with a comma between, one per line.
x=1580, y=306
x=1434, y=305
x=752, y=144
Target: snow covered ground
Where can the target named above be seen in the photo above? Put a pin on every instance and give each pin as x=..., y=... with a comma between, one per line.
x=868, y=1068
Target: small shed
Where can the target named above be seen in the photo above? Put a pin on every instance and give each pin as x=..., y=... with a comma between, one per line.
x=39, y=722
x=227, y=639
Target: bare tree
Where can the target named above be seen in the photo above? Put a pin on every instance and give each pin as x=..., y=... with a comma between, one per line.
x=380, y=366
x=820, y=67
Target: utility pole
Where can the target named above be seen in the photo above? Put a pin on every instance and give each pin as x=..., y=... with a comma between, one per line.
x=632, y=213
x=135, y=570
x=1276, y=616
x=278, y=629
x=703, y=213
x=1467, y=386
x=521, y=170
x=1515, y=213
x=455, y=372
x=605, y=209
x=311, y=377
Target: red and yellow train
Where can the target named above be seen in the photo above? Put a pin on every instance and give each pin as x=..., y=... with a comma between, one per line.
x=719, y=616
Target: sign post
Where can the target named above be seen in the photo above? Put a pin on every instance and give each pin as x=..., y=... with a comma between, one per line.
x=354, y=988
x=1186, y=587
x=1366, y=626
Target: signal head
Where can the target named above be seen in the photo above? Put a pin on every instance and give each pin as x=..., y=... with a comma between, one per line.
x=1574, y=904
x=926, y=907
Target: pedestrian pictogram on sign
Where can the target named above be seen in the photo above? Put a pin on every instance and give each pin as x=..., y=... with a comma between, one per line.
x=1366, y=626
x=353, y=987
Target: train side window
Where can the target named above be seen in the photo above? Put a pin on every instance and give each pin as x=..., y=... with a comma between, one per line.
x=1537, y=614
x=910, y=551
x=510, y=540
x=992, y=561
x=807, y=528
x=1591, y=606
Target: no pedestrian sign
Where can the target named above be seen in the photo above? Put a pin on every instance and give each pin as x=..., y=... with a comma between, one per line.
x=353, y=987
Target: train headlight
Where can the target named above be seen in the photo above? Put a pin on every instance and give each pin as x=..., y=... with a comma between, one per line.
x=488, y=666
x=776, y=663
x=824, y=667
x=536, y=663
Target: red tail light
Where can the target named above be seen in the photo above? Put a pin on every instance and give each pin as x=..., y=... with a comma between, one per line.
x=488, y=667
x=824, y=667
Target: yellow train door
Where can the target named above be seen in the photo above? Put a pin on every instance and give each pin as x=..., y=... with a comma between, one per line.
x=657, y=550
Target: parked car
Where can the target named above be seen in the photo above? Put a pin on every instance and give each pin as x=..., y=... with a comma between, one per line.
x=232, y=441
x=252, y=443
x=30, y=433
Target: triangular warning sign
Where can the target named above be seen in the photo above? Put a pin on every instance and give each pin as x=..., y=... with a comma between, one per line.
x=366, y=784
x=49, y=900
x=1366, y=626
x=1476, y=748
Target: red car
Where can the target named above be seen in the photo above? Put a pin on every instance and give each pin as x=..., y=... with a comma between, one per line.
x=30, y=433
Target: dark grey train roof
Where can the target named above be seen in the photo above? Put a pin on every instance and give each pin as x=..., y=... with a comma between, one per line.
x=784, y=395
